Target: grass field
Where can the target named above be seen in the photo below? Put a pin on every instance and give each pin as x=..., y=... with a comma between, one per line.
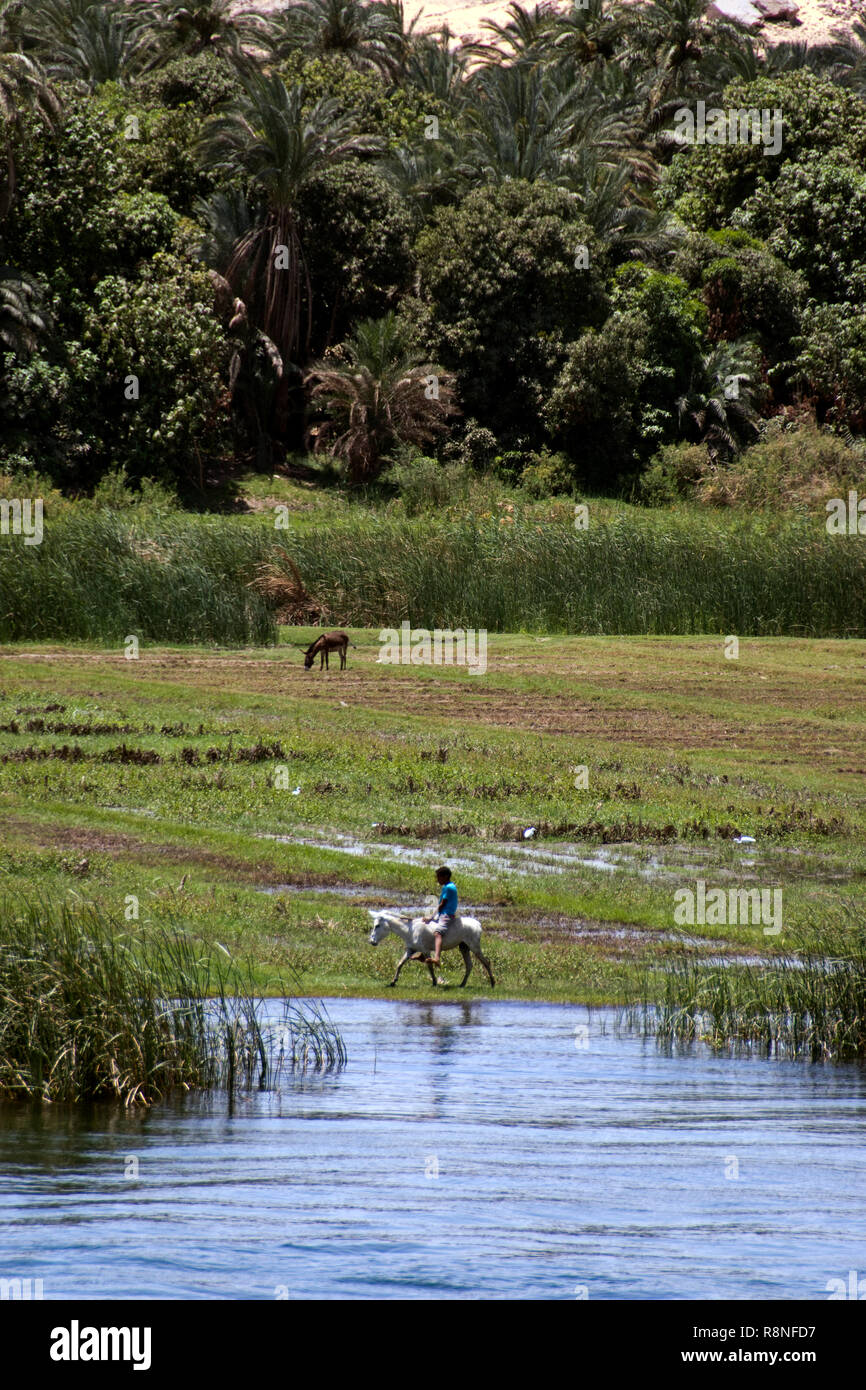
x=266, y=807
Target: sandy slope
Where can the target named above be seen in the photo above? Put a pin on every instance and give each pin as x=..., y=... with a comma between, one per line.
x=465, y=17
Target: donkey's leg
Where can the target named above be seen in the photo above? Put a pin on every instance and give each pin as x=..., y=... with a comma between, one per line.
x=342, y=658
x=429, y=965
x=467, y=961
x=486, y=963
x=399, y=968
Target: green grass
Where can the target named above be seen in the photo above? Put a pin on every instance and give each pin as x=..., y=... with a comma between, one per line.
x=811, y=1003
x=104, y=575
x=93, y=1008
x=171, y=778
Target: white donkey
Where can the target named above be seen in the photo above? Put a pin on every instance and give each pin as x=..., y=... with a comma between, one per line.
x=465, y=934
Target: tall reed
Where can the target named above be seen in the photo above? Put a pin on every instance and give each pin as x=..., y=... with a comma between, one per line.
x=810, y=1002
x=92, y=1011
x=99, y=576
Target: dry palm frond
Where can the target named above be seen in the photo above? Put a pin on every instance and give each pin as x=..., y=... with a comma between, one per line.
x=285, y=592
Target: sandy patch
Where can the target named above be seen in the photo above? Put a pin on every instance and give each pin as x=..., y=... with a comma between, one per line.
x=466, y=18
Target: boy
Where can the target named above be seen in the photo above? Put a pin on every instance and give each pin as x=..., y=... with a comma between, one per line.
x=445, y=912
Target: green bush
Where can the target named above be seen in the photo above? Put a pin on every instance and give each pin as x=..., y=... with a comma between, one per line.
x=425, y=484
x=793, y=467
x=547, y=475
x=201, y=80
x=500, y=298
x=706, y=184
x=672, y=474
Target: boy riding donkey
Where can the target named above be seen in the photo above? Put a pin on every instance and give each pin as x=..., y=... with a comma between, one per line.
x=444, y=915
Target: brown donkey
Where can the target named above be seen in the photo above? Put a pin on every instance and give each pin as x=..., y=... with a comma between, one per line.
x=328, y=642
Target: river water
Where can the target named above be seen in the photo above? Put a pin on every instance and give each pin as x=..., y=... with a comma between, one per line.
x=477, y=1149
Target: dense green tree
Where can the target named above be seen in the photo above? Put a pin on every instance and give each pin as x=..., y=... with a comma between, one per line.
x=830, y=365
x=813, y=217
x=506, y=279
x=615, y=400
x=145, y=385
x=81, y=212
x=358, y=237
x=748, y=291
x=707, y=184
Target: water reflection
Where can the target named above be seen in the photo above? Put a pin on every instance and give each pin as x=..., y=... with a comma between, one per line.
x=471, y=1148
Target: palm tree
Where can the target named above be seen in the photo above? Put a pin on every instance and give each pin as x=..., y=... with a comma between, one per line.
x=23, y=89
x=104, y=43
x=519, y=122
x=367, y=36
x=375, y=396
x=625, y=222
x=719, y=407
x=436, y=68
x=588, y=32
x=680, y=40
x=22, y=318
x=527, y=33
x=271, y=144
x=427, y=174
x=195, y=26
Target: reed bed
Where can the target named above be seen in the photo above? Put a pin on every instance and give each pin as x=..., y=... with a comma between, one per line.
x=99, y=576
x=647, y=574
x=90, y=1011
x=811, y=1003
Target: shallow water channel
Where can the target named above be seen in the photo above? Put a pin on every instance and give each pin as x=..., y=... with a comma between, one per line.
x=477, y=1149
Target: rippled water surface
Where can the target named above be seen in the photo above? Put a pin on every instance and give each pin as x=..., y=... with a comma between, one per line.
x=572, y=1161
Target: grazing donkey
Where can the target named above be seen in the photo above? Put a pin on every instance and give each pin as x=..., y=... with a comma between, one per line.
x=465, y=934
x=328, y=642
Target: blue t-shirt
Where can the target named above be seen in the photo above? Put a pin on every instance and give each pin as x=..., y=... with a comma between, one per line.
x=448, y=901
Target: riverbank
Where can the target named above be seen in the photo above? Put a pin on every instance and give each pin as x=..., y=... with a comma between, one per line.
x=267, y=808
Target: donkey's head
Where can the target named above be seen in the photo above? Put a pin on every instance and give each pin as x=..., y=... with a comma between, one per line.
x=310, y=653
x=383, y=923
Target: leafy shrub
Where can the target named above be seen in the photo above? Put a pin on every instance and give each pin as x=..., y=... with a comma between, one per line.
x=500, y=298
x=202, y=80
x=547, y=475
x=474, y=446
x=672, y=474
x=794, y=466
x=425, y=484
